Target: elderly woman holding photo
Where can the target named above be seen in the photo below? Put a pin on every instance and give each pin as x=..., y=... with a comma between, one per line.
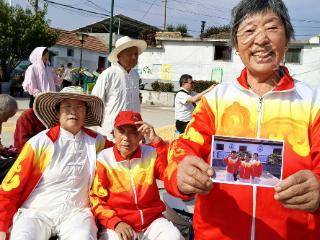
x=46, y=192
x=263, y=102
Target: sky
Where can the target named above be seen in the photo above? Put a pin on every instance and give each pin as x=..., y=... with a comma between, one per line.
x=305, y=15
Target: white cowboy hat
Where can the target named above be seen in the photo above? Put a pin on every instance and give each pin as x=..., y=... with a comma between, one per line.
x=45, y=106
x=124, y=43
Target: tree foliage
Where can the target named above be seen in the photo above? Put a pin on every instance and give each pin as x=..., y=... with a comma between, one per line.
x=182, y=28
x=217, y=32
x=20, y=32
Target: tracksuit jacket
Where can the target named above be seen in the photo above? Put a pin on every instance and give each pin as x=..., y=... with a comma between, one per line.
x=126, y=189
x=290, y=112
x=27, y=170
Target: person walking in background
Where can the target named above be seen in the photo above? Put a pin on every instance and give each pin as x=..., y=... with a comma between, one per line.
x=39, y=77
x=118, y=85
x=67, y=76
x=263, y=102
x=185, y=101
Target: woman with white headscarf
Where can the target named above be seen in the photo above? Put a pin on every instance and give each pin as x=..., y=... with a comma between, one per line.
x=39, y=77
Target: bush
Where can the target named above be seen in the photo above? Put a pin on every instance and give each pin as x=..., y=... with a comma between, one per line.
x=202, y=85
x=162, y=87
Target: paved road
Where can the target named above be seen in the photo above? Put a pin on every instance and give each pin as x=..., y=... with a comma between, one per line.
x=159, y=117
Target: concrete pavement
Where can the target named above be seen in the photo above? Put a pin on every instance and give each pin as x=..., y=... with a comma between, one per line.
x=162, y=118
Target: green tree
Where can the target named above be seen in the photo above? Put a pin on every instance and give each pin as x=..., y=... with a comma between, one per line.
x=20, y=32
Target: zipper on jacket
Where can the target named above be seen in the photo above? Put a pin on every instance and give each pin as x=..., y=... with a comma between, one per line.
x=259, y=116
x=135, y=194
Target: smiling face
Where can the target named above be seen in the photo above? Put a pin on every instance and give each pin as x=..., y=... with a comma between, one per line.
x=127, y=139
x=261, y=43
x=72, y=114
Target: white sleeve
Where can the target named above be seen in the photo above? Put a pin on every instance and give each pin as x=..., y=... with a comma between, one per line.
x=182, y=97
x=101, y=87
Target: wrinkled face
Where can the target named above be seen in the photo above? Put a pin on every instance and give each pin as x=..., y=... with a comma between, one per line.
x=128, y=58
x=261, y=42
x=127, y=139
x=72, y=115
x=188, y=85
x=45, y=58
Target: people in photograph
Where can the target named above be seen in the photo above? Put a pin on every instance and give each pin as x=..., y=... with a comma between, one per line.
x=257, y=168
x=232, y=163
x=265, y=102
x=125, y=197
x=185, y=101
x=118, y=85
x=67, y=76
x=46, y=192
x=39, y=77
x=245, y=169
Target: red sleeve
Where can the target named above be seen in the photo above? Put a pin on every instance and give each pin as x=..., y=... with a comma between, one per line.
x=315, y=145
x=196, y=141
x=162, y=160
x=103, y=213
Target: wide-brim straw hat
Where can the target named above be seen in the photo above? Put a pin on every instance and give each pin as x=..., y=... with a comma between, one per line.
x=45, y=106
x=124, y=43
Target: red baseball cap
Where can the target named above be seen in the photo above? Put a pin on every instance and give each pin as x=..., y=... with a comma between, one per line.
x=127, y=118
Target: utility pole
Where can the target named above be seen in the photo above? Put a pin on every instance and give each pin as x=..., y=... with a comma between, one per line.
x=110, y=29
x=203, y=23
x=164, y=14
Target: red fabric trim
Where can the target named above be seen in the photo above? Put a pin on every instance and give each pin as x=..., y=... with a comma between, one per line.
x=285, y=83
x=119, y=158
x=53, y=133
x=112, y=222
x=90, y=132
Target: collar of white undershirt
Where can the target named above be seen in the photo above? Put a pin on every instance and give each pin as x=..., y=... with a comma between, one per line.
x=66, y=134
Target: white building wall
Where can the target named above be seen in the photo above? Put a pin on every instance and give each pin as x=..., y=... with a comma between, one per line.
x=196, y=59
x=89, y=58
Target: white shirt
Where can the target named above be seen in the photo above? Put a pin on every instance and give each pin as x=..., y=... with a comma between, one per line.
x=183, y=109
x=119, y=91
x=64, y=185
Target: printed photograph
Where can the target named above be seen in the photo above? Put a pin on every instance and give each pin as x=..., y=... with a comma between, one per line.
x=247, y=161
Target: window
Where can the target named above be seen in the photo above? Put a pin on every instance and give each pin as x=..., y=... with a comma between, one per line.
x=222, y=53
x=242, y=148
x=219, y=146
x=70, y=52
x=293, y=55
x=277, y=151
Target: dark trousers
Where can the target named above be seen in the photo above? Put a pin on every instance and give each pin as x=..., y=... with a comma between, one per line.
x=181, y=126
x=31, y=101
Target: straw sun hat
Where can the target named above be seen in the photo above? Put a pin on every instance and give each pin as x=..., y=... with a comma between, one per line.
x=124, y=43
x=45, y=106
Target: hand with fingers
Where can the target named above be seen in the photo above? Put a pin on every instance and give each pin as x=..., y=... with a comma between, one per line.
x=148, y=132
x=300, y=191
x=2, y=235
x=193, y=176
x=124, y=231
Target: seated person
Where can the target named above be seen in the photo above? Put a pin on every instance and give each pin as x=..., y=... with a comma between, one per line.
x=27, y=126
x=124, y=196
x=46, y=192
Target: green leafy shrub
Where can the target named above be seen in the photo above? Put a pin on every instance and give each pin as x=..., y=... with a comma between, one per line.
x=201, y=85
x=162, y=87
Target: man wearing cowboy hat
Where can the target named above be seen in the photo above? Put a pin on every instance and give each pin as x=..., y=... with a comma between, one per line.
x=45, y=193
x=118, y=85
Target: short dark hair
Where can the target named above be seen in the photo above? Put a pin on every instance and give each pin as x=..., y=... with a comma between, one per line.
x=69, y=64
x=45, y=51
x=233, y=151
x=184, y=78
x=250, y=7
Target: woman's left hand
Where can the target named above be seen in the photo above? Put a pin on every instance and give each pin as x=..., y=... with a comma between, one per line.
x=300, y=191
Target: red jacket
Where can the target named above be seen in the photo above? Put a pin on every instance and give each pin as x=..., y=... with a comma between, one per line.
x=245, y=170
x=126, y=189
x=232, y=164
x=290, y=112
x=256, y=168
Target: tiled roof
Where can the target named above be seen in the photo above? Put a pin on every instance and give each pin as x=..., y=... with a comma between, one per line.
x=70, y=39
